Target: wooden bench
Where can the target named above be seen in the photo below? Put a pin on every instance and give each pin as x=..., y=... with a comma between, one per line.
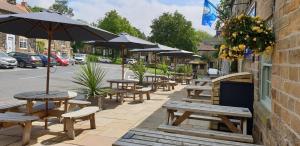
x=141, y=92
x=207, y=133
x=120, y=93
x=139, y=137
x=24, y=121
x=10, y=104
x=73, y=103
x=84, y=113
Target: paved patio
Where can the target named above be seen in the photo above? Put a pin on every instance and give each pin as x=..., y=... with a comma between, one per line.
x=111, y=123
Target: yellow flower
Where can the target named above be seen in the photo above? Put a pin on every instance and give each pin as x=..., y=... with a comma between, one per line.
x=223, y=47
x=242, y=47
x=259, y=30
x=257, y=17
x=254, y=39
x=234, y=34
x=255, y=28
x=235, y=48
x=241, y=16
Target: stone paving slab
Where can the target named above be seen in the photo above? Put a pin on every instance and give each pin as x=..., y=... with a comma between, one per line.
x=111, y=124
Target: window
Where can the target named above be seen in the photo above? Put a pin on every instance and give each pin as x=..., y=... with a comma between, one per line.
x=266, y=73
x=23, y=43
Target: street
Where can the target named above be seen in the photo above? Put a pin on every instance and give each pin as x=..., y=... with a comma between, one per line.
x=18, y=80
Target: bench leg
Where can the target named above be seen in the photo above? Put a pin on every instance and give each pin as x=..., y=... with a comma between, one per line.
x=121, y=98
x=92, y=121
x=141, y=96
x=70, y=128
x=26, y=133
x=148, y=95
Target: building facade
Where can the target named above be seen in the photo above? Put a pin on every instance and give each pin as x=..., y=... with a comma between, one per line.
x=276, y=79
x=13, y=43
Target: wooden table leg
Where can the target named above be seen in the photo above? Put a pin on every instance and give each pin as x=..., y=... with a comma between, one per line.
x=66, y=106
x=29, y=106
x=230, y=125
x=180, y=119
x=244, y=127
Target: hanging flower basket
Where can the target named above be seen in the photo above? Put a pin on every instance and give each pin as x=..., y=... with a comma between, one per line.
x=244, y=34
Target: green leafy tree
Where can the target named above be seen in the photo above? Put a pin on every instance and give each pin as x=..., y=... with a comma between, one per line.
x=36, y=9
x=202, y=35
x=175, y=31
x=40, y=45
x=61, y=6
x=224, y=12
x=117, y=24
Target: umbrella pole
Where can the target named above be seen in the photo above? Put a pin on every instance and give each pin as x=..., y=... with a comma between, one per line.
x=48, y=74
x=122, y=53
x=155, y=66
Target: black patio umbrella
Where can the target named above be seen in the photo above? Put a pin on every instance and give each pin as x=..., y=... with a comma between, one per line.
x=177, y=54
x=122, y=42
x=158, y=49
x=51, y=26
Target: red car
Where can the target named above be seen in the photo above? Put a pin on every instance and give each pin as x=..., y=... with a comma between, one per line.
x=60, y=61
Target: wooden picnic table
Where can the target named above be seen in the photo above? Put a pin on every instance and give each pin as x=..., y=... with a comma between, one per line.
x=139, y=137
x=202, y=81
x=42, y=96
x=124, y=83
x=223, y=112
x=197, y=90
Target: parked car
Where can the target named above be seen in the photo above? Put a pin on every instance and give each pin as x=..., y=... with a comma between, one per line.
x=71, y=60
x=7, y=61
x=131, y=61
x=44, y=59
x=60, y=60
x=80, y=58
x=26, y=59
x=105, y=60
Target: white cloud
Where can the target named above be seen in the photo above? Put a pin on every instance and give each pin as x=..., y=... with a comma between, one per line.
x=139, y=12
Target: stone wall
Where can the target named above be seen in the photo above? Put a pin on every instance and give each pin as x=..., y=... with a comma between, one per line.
x=281, y=125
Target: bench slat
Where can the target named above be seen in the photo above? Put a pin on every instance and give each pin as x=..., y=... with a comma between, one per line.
x=207, y=133
x=79, y=102
x=16, y=118
x=137, y=137
x=86, y=111
x=205, y=118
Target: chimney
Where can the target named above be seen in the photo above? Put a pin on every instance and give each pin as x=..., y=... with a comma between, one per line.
x=24, y=3
x=13, y=2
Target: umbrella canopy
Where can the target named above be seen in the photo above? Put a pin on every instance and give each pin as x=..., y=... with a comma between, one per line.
x=38, y=25
x=125, y=40
x=51, y=26
x=159, y=48
x=122, y=42
x=180, y=53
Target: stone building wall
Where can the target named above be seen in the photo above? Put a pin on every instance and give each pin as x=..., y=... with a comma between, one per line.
x=279, y=126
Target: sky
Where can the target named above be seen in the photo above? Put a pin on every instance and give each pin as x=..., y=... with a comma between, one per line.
x=140, y=13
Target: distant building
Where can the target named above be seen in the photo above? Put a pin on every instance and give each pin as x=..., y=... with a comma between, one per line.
x=13, y=43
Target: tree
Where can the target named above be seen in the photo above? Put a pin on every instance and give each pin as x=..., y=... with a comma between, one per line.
x=40, y=45
x=61, y=6
x=202, y=35
x=224, y=12
x=117, y=24
x=36, y=9
x=175, y=31
x=77, y=46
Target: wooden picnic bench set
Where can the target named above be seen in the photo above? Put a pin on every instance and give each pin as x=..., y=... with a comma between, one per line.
x=173, y=131
x=48, y=105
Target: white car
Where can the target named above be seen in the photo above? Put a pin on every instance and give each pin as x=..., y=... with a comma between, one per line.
x=7, y=61
x=131, y=61
x=80, y=58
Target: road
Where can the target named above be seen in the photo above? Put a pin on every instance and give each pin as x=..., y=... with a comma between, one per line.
x=18, y=80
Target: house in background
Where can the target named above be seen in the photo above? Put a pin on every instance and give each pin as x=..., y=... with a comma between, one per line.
x=13, y=43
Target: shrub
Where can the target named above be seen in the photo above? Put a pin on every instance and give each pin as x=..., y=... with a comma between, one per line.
x=92, y=58
x=139, y=70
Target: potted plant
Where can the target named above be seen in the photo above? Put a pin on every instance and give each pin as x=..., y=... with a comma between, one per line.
x=139, y=70
x=89, y=78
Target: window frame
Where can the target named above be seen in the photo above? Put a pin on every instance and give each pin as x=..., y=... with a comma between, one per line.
x=266, y=82
x=22, y=41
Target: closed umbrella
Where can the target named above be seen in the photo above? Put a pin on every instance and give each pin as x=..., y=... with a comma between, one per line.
x=122, y=42
x=159, y=48
x=51, y=26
